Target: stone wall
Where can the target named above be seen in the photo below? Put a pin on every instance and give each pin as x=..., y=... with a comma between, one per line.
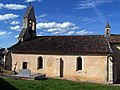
x=94, y=67
x=8, y=61
x=116, y=54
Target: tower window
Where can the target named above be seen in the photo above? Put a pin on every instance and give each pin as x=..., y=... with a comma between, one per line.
x=30, y=24
x=30, y=21
x=108, y=31
x=40, y=63
x=79, y=63
x=33, y=25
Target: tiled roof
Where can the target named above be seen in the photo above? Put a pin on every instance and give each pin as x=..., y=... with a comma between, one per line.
x=114, y=38
x=63, y=45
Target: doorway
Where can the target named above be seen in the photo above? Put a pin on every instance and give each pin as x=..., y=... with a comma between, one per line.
x=59, y=67
x=24, y=65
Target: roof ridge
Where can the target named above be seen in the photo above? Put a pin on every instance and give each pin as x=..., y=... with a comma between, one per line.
x=68, y=35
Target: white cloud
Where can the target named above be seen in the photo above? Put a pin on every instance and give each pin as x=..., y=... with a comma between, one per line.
x=65, y=28
x=14, y=22
x=9, y=33
x=2, y=33
x=1, y=5
x=42, y=15
x=8, y=16
x=12, y=6
x=58, y=28
x=84, y=32
x=70, y=33
x=17, y=28
x=16, y=36
x=32, y=0
x=91, y=3
x=55, y=33
x=39, y=34
x=53, y=26
x=41, y=18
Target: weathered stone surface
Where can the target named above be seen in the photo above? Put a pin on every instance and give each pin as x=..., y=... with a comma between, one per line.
x=94, y=67
x=24, y=73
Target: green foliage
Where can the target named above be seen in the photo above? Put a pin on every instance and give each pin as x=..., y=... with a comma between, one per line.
x=51, y=84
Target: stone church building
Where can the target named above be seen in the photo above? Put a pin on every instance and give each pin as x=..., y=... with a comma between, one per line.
x=94, y=58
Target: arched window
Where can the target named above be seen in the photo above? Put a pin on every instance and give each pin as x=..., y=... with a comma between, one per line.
x=40, y=63
x=30, y=24
x=33, y=25
x=107, y=31
x=79, y=63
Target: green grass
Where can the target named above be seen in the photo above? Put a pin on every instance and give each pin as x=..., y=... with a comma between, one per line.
x=51, y=84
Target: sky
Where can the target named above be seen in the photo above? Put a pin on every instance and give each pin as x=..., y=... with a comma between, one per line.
x=59, y=17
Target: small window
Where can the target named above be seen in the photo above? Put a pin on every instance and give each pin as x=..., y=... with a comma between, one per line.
x=30, y=24
x=24, y=65
x=40, y=63
x=108, y=31
x=79, y=63
x=33, y=26
x=30, y=21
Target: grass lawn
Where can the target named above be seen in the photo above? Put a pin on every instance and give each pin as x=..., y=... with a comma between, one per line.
x=51, y=84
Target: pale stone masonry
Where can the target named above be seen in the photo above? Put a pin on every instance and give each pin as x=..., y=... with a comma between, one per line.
x=93, y=58
x=92, y=70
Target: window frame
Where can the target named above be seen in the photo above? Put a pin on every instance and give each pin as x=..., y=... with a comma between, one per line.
x=30, y=24
x=24, y=65
x=82, y=64
x=33, y=25
x=40, y=66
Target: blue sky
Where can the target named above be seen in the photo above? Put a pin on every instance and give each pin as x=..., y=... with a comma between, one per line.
x=59, y=17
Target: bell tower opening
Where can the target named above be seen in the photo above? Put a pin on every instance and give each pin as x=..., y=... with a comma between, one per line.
x=29, y=25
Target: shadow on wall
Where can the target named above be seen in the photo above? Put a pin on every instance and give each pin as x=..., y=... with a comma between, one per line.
x=8, y=61
x=61, y=67
x=4, y=85
x=116, y=54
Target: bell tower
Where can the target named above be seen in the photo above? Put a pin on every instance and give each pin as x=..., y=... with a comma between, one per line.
x=107, y=30
x=29, y=25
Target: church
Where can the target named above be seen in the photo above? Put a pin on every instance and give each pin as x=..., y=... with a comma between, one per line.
x=92, y=58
